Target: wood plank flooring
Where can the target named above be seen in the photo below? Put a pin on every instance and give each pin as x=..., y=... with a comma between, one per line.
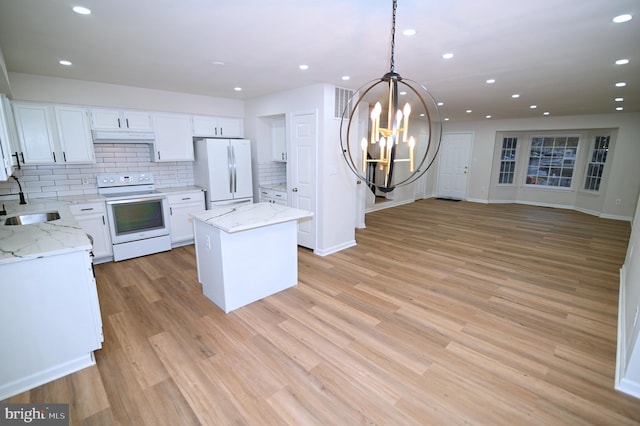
x=444, y=313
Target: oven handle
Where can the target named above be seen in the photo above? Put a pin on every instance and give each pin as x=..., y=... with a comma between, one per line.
x=136, y=200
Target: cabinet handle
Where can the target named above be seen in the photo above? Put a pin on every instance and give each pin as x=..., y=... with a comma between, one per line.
x=86, y=209
x=64, y=156
x=127, y=120
x=22, y=155
x=171, y=211
x=103, y=222
x=186, y=198
x=158, y=155
x=17, y=159
x=119, y=124
x=54, y=157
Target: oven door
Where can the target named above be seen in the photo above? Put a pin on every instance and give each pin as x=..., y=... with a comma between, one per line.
x=138, y=218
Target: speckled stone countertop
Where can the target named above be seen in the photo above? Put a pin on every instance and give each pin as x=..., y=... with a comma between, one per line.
x=242, y=217
x=21, y=242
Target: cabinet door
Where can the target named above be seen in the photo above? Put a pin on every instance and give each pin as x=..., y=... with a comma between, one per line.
x=230, y=127
x=205, y=126
x=93, y=220
x=137, y=120
x=174, y=141
x=5, y=148
x=105, y=119
x=278, y=140
x=74, y=134
x=181, y=206
x=35, y=133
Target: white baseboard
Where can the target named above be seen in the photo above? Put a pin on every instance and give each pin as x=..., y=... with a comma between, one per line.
x=335, y=249
x=40, y=378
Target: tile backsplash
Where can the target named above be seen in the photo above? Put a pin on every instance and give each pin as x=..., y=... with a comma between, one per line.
x=272, y=172
x=80, y=179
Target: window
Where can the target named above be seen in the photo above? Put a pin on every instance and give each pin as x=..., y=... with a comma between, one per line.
x=552, y=160
x=508, y=160
x=596, y=165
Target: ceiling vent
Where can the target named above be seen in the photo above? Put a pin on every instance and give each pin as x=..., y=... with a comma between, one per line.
x=343, y=102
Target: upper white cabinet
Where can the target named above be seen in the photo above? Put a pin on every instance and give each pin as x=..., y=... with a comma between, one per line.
x=74, y=134
x=113, y=119
x=278, y=139
x=53, y=134
x=218, y=127
x=5, y=136
x=173, y=141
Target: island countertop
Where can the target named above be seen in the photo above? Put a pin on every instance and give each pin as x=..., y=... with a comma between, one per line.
x=242, y=217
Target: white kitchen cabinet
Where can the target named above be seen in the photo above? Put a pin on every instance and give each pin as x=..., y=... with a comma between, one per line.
x=278, y=140
x=113, y=119
x=53, y=134
x=174, y=137
x=273, y=195
x=218, y=127
x=50, y=320
x=74, y=134
x=6, y=152
x=92, y=217
x=181, y=206
x=34, y=123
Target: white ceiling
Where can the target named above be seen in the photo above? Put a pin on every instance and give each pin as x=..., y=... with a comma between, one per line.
x=557, y=54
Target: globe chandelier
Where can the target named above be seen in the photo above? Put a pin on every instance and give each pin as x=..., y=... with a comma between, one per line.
x=401, y=142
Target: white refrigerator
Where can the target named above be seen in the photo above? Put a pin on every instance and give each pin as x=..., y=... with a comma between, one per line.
x=223, y=168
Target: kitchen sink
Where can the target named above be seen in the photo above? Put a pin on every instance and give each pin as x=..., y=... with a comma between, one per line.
x=31, y=218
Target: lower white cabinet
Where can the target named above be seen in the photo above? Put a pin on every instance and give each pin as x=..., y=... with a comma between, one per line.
x=92, y=217
x=181, y=206
x=272, y=195
x=50, y=320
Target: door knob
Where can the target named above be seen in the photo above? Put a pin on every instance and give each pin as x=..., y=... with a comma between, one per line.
x=294, y=190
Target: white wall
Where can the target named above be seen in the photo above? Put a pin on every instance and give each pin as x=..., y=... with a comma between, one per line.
x=623, y=181
x=60, y=90
x=628, y=359
x=335, y=191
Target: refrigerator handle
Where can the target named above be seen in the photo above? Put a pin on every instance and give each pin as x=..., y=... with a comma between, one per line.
x=230, y=165
x=235, y=170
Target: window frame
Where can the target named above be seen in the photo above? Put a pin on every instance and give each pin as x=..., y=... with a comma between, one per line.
x=588, y=163
x=551, y=157
x=514, y=162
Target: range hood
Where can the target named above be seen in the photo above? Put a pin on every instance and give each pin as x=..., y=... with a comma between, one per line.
x=117, y=136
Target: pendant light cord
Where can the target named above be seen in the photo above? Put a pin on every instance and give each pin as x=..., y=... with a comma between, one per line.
x=393, y=35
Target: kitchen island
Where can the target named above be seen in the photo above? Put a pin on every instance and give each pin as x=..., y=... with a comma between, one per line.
x=246, y=252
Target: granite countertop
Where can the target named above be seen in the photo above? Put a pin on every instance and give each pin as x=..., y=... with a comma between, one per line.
x=179, y=189
x=242, y=217
x=22, y=242
x=276, y=186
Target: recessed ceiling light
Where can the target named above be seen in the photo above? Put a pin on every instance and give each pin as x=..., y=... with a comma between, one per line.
x=403, y=93
x=447, y=56
x=533, y=106
x=238, y=89
x=65, y=63
x=303, y=67
x=346, y=77
x=487, y=116
x=619, y=99
x=619, y=109
x=446, y=119
x=217, y=63
x=409, y=32
x=621, y=84
x=515, y=96
x=82, y=10
x=546, y=113
x=440, y=103
x=622, y=18
x=622, y=61
x=422, y=114
x=491, y=81
x=469, y=111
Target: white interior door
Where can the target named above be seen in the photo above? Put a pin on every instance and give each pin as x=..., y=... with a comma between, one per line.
x=302, y=171
x=453, y=166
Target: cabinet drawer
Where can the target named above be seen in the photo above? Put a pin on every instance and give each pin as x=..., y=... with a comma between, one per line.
x=87, y=208
x=185, y=197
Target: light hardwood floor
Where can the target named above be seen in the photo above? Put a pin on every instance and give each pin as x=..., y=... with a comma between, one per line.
x=444, y=313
